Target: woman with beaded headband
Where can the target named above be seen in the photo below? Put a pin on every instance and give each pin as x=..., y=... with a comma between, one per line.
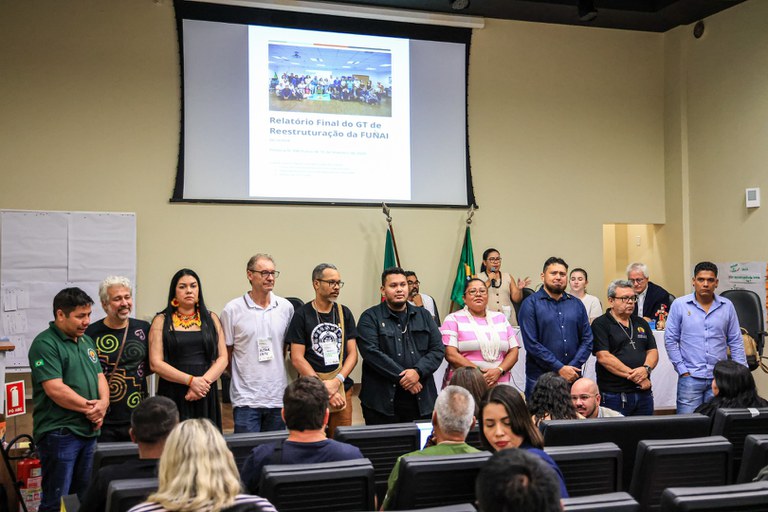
x=187, y=350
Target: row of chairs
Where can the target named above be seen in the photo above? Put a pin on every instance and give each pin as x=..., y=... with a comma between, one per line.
x=597, y=468
x=447, y=483
x=733, y=424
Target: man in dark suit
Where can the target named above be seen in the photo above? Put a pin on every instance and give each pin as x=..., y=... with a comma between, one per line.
x=650, y=296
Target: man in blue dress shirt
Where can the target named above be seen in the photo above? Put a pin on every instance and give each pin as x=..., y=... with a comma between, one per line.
x=555, y=328
x=700, y=328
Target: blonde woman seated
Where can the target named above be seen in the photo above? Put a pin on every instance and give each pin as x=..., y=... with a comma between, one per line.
x=197, y=473
x=479, y=338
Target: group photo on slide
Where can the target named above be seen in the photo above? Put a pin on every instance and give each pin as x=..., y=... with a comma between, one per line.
x=314, y=79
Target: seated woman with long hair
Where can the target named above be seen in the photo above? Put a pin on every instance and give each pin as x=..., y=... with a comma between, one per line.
x=733, y=386
x=506, y=423
x=472, y=380
x=197, y=473
x=551, y=400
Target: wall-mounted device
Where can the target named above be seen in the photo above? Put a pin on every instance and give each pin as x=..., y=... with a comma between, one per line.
x=753, y=197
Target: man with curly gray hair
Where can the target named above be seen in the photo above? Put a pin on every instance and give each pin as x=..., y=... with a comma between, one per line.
x=121, y=342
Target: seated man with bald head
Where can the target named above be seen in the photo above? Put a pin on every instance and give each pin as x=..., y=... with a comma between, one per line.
x=586, y=399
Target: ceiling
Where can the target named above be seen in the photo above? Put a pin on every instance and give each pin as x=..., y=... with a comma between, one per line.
x=645, y=15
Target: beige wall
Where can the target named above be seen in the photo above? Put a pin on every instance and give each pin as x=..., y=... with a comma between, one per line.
x=560, y=118
x=718, y=145
x=568, y=127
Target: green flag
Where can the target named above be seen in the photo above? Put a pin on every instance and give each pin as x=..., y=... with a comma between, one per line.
x=464, y=271
x=389, y=252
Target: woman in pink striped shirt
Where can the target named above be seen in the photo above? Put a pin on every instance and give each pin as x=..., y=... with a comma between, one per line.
x=476, y=337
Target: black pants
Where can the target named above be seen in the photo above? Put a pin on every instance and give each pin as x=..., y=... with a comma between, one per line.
x=114, y=434
x=406, y=411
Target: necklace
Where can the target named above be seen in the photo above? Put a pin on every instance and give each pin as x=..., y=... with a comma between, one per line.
x=488, y=339
x=332, y=312
x=631, y=334
x=186, y=321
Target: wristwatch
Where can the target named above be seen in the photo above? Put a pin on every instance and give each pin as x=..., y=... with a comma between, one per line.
x=502, y=370
x=648, y=369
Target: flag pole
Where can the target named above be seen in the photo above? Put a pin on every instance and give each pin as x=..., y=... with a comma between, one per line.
x=385, y=209
x=470, y=214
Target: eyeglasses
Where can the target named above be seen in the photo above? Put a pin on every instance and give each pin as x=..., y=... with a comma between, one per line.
x=266, y=273
x=477, y=291
x=638, y=280
x=583, y=398
x=495, y=259
x=631, y=298
x=411, y=283
x=332, y=284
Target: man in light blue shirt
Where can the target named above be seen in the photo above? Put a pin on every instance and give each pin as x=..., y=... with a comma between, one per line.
x=700, y=328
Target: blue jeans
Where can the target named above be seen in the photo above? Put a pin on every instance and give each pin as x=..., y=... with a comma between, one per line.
x=66, y=461
x=629, y=404
x=257, y=419
x=692, y=392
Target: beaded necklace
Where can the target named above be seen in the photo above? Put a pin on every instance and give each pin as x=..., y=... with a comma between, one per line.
x=186, y=321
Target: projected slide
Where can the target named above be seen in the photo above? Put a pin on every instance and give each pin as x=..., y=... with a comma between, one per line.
x=329, y=115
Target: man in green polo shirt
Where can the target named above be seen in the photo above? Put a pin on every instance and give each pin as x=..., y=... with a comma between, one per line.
x=452, y=419
x=70, y=395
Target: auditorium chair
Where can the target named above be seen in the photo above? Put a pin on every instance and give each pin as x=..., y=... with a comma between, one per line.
x=736, y=424
x=748, y=497
x=704, y=461
x=124, y=494
x=106, y=454
x=382, y=445
x=436, y=480
x=610, y=502
x=588, y=469
x=626, y=433
x=242, y=444
x=322, y=487
x=754, y=458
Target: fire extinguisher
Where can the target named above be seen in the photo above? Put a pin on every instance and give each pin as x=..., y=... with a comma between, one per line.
x=28, y=476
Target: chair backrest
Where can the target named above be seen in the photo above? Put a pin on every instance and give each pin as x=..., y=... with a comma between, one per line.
x=750, y=313
x=678, y=462
x=462, y=507
x=754, y=457
x=327, y=486
x=610, y=502
x=295, y=302
x=526, y=292
x=241, y=445
x=382, y=445
x=434, y=480
x=588, y=469
x=626, y=433
x=736, y=424
x=106, y=454
x=749, y=497
x=124, y=494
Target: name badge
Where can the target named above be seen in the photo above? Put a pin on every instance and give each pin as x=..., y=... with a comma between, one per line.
x=330, y=352
x=265, y=350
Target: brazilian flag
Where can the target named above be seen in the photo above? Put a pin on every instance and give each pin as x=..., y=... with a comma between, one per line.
x=464, y=271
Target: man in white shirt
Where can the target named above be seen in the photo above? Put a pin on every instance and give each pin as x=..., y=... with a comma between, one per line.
x=254, y=326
